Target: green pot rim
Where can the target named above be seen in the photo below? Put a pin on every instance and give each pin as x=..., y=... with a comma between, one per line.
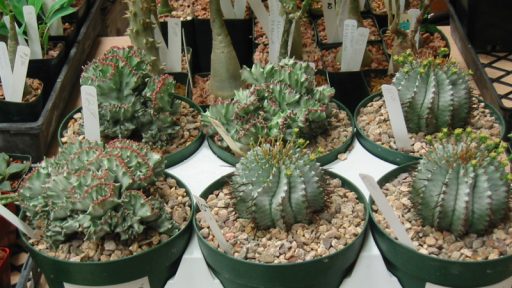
x=377, y=231
x=183, y=230
x=345, y=183
x=325, y=159
x=396, y=157
x=171, y=159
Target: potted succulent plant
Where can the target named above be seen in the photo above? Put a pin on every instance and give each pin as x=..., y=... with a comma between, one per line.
x=291, y=223
x=434, y=94
x=455, y=204
x=12, y=170
x=107, y=215
x=282, y=99
x=133, y=104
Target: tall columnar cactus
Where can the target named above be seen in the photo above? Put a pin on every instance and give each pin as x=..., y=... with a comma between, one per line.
x=461, y=184
x=94, y=190
x=225, y=68
x=283, y=99
x=278, y=185
x=434, y=94
x=132, y=103
x=143, y=16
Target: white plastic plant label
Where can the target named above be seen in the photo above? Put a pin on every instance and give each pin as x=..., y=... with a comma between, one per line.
x=56, y=29
x=507, y=283
x=240, y=8
x=276, y=30
x=5, y=72
x=261, y=13
x=162, y=47
x=354, y=45
x=227, y=9
x=20, y=73
x=396, y=117
x=331, y=21
x=386, y=209
x=139, y=283
x=4, y=212
x=90, y=113
x=33, y=32
x=362, y=3
x=213, y=225
x=413, y=16
x=174, y=47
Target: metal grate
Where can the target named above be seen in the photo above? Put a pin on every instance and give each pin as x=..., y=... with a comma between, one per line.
x=498, y=67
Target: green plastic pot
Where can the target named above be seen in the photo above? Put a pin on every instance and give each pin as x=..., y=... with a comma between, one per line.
x=158, y=264
x=394, y=156
x=414, y=269
x=171, y=159
x=326, y=272
x=325, y=159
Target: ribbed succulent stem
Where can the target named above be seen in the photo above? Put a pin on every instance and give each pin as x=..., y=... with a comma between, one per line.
x=143, y=16
x=225, y=68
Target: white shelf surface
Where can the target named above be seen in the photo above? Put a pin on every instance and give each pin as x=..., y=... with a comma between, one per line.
x=204, y=167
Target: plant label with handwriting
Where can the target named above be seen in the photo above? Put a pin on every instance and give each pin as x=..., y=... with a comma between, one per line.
x=354, y=45
x=276, y=31
x=203, y=206
x=90, y=113
x=396, y=117
x=331, y=20
x=13, y=81
x=261, y=13
x=174, y=47
x=34, y=42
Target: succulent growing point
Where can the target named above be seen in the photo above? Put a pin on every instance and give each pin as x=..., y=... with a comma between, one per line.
x=461, y=184
x=283, y=99
x=132, y=103
x=94, y=190
x=9, y=169
x=225, y=68
x=143, y=16
x=434, y=94
x=292, y=13
x=278, y=185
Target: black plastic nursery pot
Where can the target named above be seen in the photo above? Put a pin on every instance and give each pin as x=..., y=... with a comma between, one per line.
x=326, y=272
x=325, y=45
x=240, y=31
x=171, y=159
x=48, y=70
x=350, y=88
x=414, y=269
x=394, y=156
x=155, y=265
x=17, y=112
x=325, y=159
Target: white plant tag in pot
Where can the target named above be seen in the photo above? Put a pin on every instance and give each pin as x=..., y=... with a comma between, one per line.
x=396, y=117
x=203, y=206
x=90, y=113
x=227, y=9
x=174, y=48
x=276, y=31
x=33, y=32
x=331, y=21
x=240, y=8
x=380, y=199
x=6, y=72
x=354, y=45
x=4, y=212
x=20, y=72
x=262, y=15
